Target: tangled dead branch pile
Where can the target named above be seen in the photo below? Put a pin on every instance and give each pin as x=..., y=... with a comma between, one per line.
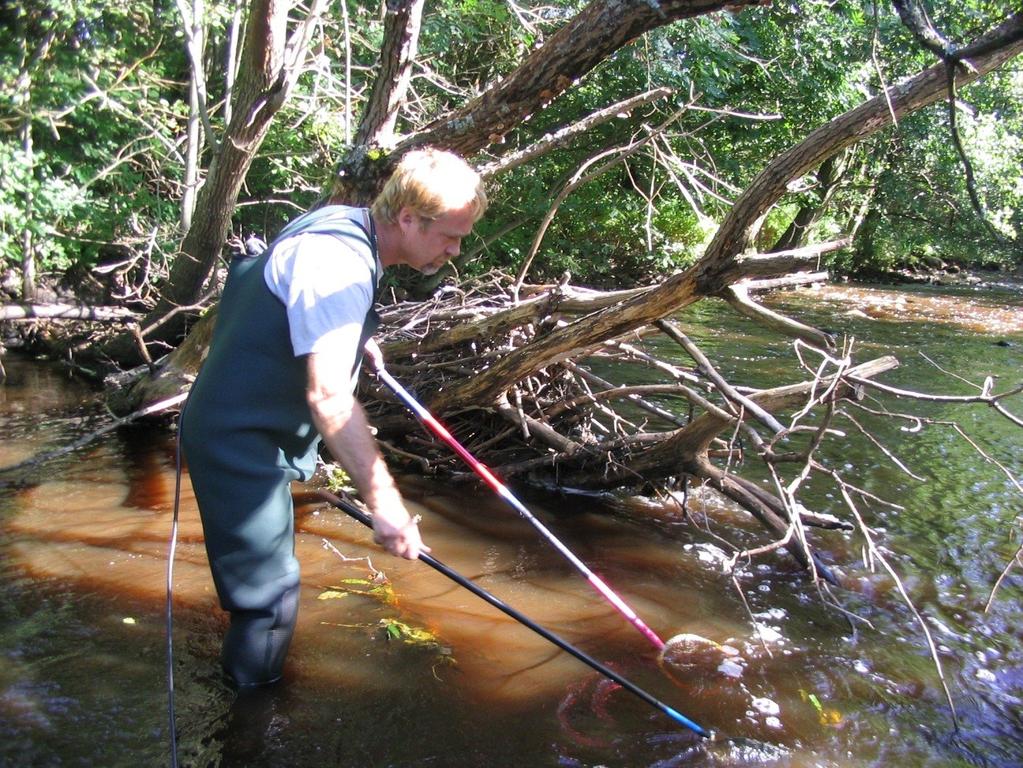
x=614, y=415
x=621, y=413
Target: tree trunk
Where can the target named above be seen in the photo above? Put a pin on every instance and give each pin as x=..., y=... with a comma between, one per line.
x=270, y=64
x=195, y=35
x=362, y=172
x=191, y=176
x=28, y=253
x=401, y=44
x=810, y=211
x=30, y=60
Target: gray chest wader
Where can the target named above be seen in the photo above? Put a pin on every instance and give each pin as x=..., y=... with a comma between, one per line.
x=247, y=434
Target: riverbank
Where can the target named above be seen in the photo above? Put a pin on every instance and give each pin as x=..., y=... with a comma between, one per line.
x=945, y=275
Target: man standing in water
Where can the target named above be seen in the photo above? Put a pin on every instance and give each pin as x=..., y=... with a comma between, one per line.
x=280, y=375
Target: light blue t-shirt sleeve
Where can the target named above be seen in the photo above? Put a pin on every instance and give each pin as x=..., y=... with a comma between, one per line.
x=327, y=290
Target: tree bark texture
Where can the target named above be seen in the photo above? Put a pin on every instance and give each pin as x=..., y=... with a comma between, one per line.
x=270, y=63
x=401, y=44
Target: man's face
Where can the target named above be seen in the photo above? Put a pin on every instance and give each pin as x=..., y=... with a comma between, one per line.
x=431, y=244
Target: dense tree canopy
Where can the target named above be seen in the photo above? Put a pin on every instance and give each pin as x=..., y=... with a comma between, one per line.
x=95, y=123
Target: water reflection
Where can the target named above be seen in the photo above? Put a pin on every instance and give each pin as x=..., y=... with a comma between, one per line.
x=81, y=625
x=988, y=313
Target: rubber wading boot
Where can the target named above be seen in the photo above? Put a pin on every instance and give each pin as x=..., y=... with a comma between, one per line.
x=257, y=642
x=248, y=735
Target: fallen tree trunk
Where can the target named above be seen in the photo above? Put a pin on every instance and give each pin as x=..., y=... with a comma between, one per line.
x=16, y=312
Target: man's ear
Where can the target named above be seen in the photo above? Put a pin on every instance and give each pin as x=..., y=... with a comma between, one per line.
x=407, y=219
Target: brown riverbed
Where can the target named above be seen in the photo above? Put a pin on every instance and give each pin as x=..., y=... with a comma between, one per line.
x=83, y=544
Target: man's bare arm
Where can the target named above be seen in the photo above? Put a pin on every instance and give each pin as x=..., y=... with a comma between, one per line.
x=342, y=423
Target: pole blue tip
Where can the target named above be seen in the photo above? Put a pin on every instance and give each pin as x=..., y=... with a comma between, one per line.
x=699, y=731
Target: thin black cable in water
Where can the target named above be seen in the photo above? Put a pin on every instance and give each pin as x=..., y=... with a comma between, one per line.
x=172, y=547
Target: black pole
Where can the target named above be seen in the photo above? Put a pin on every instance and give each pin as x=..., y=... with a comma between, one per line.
x=437, y=565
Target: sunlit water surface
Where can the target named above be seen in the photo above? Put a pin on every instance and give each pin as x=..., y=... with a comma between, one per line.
x=418, y=672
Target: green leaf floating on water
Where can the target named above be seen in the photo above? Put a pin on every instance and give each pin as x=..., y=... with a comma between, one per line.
x=816, y=702
x=399, y=630
x=826, y=715
x=394, y=629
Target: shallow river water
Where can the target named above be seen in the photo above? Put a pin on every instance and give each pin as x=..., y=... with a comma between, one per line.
x=415, y=671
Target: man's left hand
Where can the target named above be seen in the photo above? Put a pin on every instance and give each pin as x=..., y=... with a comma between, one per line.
x=374, y=355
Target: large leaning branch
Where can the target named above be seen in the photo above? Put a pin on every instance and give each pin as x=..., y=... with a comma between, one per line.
x=598, y=30
x=722, y=264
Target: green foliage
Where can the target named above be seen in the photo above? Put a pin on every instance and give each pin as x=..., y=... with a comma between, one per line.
x=921, y=213
x=478, y=40
x=338, y=479
x=422, y=639
x=53, y=199
x=94, y=173
x=101, y=89
x=406, y=633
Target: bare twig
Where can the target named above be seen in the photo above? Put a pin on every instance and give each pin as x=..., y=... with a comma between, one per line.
x=564, y=135
x=726, y=389
x=877, y=444
x=876, y=555
x=987, y=399
x=1016, y=559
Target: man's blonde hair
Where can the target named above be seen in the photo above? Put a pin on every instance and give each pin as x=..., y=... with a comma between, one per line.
x=431, y=182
